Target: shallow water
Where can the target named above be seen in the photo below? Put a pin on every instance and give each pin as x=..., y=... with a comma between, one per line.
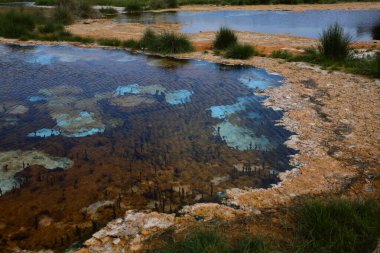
x=123, y=127
x=361, y=25
x=76, y=92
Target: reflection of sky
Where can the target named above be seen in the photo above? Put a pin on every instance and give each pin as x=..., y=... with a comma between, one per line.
x=306, y=24
x=48, y=55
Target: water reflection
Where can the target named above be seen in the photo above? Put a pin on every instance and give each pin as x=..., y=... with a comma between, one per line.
x=306, y=24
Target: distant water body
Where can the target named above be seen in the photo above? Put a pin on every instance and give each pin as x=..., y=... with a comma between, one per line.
x=361, y=25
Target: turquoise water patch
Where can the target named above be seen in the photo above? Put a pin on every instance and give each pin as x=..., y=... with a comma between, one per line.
x=52, y=54
x=44, y=132
x=260, y=79
x=174, y=97
x=242, y=138
x=178, y=97
x=135, y=88
x=222, y=111
x=129, y=89
x=69, y=126
x=34, y=99
x=83, y=132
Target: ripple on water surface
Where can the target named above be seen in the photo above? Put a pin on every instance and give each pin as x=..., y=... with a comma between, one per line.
x=192, y=107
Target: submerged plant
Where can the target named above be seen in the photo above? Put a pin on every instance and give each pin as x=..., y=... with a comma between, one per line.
x=335, y=43
x=241, y=51
x=224, y=38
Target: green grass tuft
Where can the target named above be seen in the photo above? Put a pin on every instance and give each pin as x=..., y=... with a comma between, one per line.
x=109, y=42
x=166, y=43
x=14, y=24
x=241, y=51
x=224, y=38
x=108, y=11
x=338, y=226
x=202, y=241
x=335, y=43
x=134, y=6
x=133, y=44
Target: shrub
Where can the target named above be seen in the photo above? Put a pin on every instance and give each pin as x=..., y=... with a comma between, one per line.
x=338, y=226
x=224, y=38
x=171, y=43
x=51, y=28
x=84, y=9
x=149, y=39
x=14, y=24
x=172, y=3
x=133, y=6
x=334, y=43
x=157, y=4
x=63, y=15
x=239, y=51
x=109, y=42
x=108, y=11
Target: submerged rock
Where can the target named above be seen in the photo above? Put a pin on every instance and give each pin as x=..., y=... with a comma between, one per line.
x=15, y=161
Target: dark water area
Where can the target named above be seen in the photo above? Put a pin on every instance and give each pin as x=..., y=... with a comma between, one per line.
x=142, y=132
x=361, y=25
x=17, y=4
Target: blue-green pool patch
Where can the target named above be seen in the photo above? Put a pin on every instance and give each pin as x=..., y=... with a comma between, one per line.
x=178, y=97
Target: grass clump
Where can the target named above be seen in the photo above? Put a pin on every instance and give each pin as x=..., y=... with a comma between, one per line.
x=209, y=241
x=109, y=42
x=14, y=24
x=281, y=54
x=108, y=11
x=241, y=51
x=199, y=241
x=338, y=226
x=335, y=43
x=133, y=6
x=224, y=38
x=171, y=43
x=51, y=28
x=131, y=44
x=165, y=43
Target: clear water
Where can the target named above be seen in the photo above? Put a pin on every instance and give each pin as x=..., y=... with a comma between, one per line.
x=71, y=94
x=361, y=25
